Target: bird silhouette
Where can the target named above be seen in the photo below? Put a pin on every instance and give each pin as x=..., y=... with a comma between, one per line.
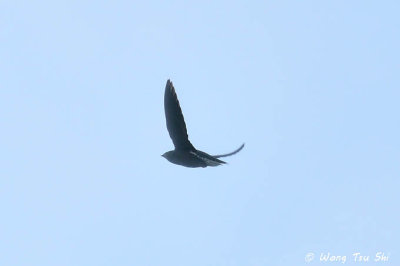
x=185, y=153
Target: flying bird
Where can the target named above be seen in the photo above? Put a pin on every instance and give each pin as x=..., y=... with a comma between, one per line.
x=185, y=153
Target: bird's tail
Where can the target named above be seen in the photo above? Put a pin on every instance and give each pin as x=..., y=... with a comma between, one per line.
x=229, y=154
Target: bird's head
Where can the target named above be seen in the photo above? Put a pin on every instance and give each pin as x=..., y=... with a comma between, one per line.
x=168, y=155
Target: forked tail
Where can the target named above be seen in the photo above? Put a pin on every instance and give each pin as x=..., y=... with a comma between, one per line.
x=229, y=154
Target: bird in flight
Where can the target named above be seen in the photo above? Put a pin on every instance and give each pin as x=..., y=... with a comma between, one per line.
x=185, y=153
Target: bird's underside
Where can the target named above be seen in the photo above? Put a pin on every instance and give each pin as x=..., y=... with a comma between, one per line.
x=185, y=153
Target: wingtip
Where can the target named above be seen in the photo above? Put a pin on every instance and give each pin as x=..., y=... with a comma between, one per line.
x=241, y=147
x=169, y=84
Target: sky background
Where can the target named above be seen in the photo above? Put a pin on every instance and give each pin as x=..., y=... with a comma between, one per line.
x=311, y=87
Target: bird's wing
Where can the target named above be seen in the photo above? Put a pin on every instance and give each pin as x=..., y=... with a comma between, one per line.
x=231, y=153
x=175, y=122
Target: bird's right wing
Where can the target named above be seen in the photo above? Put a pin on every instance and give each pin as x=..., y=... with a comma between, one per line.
x=175, y=122
x=231, y=153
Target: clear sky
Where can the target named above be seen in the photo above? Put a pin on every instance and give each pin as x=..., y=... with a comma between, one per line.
x=311, y=87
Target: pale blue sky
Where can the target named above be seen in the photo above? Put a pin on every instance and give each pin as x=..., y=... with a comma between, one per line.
x=312, y=87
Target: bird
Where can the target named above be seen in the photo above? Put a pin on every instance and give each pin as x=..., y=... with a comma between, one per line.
x=185, y=154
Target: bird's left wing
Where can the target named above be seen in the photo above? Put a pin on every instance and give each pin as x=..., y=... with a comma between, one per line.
x=175, y=122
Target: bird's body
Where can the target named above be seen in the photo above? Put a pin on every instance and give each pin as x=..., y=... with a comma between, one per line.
x=185, y=153
x=192, y=158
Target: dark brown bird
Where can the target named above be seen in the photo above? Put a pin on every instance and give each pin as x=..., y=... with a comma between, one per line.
x=185, y=153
